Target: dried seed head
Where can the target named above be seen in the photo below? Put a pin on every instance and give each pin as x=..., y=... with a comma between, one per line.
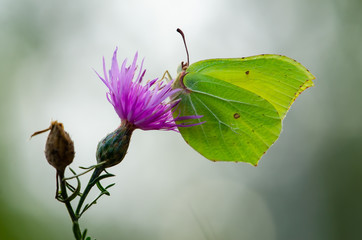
x=59, y=148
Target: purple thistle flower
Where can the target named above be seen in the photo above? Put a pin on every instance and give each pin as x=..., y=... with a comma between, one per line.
x=146, y=106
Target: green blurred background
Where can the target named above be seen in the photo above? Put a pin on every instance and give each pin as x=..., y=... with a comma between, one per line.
x=308, y=185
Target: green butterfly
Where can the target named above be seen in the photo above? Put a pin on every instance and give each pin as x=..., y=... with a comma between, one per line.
x=243, y=102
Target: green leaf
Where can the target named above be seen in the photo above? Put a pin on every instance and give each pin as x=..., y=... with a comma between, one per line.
x=243, y=102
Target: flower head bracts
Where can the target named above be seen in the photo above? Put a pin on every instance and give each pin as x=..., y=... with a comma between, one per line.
x=143, y=106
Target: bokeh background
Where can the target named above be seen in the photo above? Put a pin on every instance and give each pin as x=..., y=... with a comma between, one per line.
x=307, y=186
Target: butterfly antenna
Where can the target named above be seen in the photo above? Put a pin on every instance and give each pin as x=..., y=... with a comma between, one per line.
x=183, y=38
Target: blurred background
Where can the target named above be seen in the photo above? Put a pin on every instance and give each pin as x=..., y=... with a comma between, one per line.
x=307, y=186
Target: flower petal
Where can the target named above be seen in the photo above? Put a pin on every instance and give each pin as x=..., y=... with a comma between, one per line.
x=149, y=106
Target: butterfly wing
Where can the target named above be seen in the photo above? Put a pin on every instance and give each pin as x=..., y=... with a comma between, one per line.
x=240, y=125
x=276, y=78
x=243, y=102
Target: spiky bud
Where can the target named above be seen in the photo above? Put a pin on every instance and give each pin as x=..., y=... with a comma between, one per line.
x=112, y=149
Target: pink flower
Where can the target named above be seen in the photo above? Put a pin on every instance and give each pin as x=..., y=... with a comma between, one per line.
x=147, y=106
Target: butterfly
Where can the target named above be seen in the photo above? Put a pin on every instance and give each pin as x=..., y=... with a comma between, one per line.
x=242, y=100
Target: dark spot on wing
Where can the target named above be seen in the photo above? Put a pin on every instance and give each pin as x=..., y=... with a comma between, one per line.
x=247, y=72
x=236, y=115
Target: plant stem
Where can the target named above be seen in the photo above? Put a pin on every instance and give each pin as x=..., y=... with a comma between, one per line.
x=63, y=189
x=91, y=183
x=77, y=214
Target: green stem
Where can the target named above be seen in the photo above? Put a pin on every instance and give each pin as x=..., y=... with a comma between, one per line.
x=91, y=183
x=63, y=189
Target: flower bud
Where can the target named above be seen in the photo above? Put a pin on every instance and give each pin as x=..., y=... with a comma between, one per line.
x=59, y=148
x=112, y=149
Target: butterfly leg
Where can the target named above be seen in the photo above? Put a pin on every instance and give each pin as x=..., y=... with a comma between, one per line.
x=166, y=76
